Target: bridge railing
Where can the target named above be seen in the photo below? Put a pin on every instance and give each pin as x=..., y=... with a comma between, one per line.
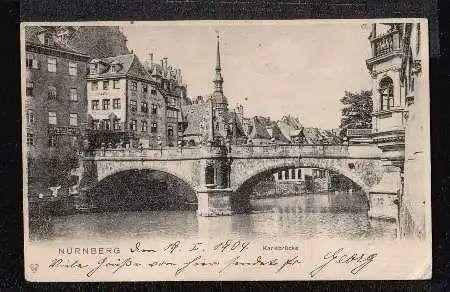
x=241, y=151
x=157, y=153
x=290, y=150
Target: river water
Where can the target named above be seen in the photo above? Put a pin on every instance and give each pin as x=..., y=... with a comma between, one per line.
x=325, y=215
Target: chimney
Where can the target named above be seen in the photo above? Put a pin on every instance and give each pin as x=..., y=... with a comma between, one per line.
x=150, y=59
x=165, y=64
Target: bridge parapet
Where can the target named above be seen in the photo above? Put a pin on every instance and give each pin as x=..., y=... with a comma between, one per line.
x=290, y=150
x=157, y=153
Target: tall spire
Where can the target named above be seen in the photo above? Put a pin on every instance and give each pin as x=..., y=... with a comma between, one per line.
x=218, y=53
x=218, y=81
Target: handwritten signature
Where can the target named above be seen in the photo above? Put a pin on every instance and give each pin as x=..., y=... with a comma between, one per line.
x=338, y=257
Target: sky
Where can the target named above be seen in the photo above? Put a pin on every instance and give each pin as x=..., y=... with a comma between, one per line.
x=300, y=68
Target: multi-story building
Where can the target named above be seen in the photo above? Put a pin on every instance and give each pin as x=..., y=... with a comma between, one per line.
x=170, y=82
x=126, y=104
x=56, y=107
x=400, y=108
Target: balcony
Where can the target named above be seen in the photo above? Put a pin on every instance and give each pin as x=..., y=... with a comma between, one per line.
x=385, y=46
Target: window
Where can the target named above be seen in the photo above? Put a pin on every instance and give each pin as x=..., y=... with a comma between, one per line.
x=72, y=69
x=29, y=90
x=52, y=141
x=116, y=103
x=153, y=91
x=286, y=174
x=133, y=125
x=94, y=86
x=116, y=84
x=95, y=104
x=144, y=107
x=133, y=105
x=73, y=119
x=144, y=88
x=116, y=124
x=30, y=117
x=280, y=175
x=105, y=104
x=106, y=124
x=30, y=139
x=93, y=68
x=386, y=93
x=209, y=174
x=30, y=62
x=52, y=118
x=73, y=94
x=51, y=64
x=154, y=109
x=113, y=69
x=96, y=124
x=154, y=128
x=170, y=131
x=52, y=93
x=106, y=85
x=133, y=85
x=144, y=126
x=293, y=174
x=74, y=141
x=47, y=39
x=299, y=174
x=171, y=114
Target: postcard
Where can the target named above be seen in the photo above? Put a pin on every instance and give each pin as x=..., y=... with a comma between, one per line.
x=226, y=150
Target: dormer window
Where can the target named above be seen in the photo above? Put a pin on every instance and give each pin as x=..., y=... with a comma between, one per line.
x=48, y=39
x=113, y=68
x=93, y=68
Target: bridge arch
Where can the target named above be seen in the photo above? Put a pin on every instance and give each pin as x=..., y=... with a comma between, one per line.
x=142, y=189
x=245, y=171
x=180, y=177
x=186, y=171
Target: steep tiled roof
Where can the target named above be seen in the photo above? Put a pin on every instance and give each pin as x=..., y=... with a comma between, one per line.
x=197, y=117
x=288, y=130
x=32, y=37
x=129, y=65
x=312, y=135
x=237, y=124
x=99, y=41
x=259, y=130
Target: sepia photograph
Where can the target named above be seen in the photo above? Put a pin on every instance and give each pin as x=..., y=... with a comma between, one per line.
x=226, y=150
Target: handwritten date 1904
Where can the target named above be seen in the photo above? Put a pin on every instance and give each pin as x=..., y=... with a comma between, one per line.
x=231, y=245
x=223, y=246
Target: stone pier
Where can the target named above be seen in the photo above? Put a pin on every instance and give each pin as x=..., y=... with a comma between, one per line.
x=214, y=202
x=384, y=197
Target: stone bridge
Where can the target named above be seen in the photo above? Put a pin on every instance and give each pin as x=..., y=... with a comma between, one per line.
x=218, y=174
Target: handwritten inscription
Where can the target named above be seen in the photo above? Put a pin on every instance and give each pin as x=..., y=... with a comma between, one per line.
x=221, y=257
x=357, y=261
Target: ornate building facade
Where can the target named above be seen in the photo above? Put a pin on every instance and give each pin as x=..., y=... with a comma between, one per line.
x=400, y=121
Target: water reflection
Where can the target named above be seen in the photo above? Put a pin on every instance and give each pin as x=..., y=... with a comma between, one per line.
x=341, y=216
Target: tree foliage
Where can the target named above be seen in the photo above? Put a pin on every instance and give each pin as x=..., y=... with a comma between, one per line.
x=356, y=113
